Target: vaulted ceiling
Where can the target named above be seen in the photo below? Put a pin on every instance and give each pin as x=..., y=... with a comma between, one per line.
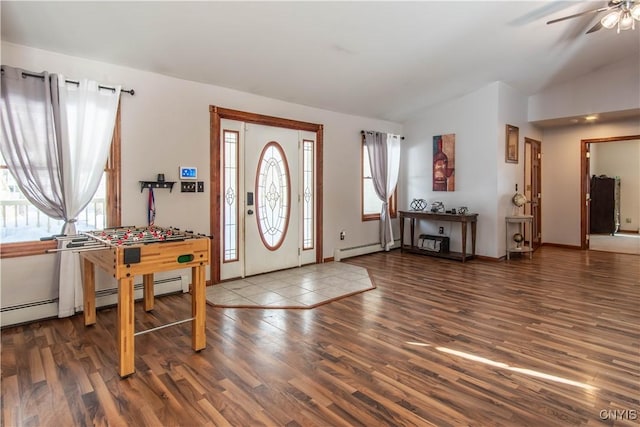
x=377, y=59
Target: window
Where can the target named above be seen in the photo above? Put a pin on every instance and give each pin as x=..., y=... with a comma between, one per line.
x=273, y=194
x=22, y=225
x=307, y=194
x=230, y=181
x=371, y=204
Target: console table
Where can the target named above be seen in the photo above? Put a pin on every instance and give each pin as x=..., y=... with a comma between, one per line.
x=463, y=219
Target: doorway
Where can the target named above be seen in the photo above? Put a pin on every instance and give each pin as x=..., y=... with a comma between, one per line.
x=266, y=193
x=532, y=187
x=626, y=220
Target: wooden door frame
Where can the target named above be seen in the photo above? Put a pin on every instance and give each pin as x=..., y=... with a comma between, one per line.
x=585, y=171
x=538, y=218
x=215, y=115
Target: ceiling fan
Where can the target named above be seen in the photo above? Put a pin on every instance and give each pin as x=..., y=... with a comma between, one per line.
x=623, y=14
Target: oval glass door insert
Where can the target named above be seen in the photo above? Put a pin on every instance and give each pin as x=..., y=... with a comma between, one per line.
x=272, y=195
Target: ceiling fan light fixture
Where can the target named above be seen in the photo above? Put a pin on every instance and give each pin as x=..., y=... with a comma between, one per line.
x=635, y=12
x=610, y=20
x=626, y=21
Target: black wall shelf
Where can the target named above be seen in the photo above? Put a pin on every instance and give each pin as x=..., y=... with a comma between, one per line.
x=156, y=184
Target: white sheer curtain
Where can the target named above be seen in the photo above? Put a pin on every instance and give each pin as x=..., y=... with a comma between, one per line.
x=384, y=159
x=87, y=118
x=28, y=137
x=55, y=139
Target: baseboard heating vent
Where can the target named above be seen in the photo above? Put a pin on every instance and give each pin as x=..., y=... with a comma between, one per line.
x=46, y=309
x=22, y=313
x=340, y=254
x=109, y=296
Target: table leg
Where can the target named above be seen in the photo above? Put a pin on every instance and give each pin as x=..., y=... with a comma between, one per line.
x=530, y=238
x=464, y=241
x=198, y=309
x=147, y=297
x=402, y=234
x=412, y=223
x=506, y=239
x=473, y=238
x=126, y=327
x=89, y=292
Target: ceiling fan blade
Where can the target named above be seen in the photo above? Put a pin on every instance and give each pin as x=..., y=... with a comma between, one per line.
x=575, y=15
x=595, y=28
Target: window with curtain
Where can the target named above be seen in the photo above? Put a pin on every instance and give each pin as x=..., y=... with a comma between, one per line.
x=371, y=204
x=22, y=224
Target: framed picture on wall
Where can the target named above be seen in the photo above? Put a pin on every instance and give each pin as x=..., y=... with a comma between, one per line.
x=511, y=144
x=444, y=162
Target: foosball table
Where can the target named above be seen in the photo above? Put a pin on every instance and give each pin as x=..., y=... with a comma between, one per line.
x=126, y=252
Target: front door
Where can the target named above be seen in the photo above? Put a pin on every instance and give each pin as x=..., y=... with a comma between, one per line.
x=268, y=193
x=271, y=194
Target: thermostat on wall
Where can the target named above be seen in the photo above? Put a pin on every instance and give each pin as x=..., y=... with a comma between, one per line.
x=188, y=173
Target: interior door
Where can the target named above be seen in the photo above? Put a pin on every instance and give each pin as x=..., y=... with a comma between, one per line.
x=585, y=181
x=536, y=192
x=533, y=186
x=271, y=208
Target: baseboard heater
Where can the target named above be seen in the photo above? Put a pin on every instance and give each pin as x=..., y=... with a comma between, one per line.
x=46, y=309
x=340, y=254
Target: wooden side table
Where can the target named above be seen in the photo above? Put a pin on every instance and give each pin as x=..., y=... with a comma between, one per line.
x=524, y=223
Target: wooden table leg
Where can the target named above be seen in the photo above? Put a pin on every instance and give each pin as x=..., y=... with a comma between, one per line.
x=412, y=224
x=89, y=292
x=473, y=238
x=198, y=309
x=464, y=241
x=401, y=234
x=126, y=327
x=147, y=296
x=530, y=223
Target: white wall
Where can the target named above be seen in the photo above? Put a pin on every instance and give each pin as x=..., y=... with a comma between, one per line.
x=561, y=176
x=612, y=88
x=166, y=125
x=512, y=109
x=621, y=159
x=484, y=182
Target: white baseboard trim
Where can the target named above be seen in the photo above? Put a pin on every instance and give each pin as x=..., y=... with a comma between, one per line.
x=39, y=310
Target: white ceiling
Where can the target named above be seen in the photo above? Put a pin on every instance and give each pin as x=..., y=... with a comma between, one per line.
x=377, y=59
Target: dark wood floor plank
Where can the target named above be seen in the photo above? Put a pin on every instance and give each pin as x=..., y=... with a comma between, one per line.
x=552, y=341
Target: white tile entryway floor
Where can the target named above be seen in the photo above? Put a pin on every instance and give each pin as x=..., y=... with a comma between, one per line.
x=303, y=287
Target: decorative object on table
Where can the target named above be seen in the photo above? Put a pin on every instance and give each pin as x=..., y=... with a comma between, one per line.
x=439, y=244
x=462, y=210
x=524, y=229
x=160, y=177
x=518, y=200
x=518, y=238
x=437, y=207
x=511, y=144
x=418, y=204
x=444, y=162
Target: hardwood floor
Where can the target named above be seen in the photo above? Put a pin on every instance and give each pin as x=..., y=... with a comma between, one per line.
x=552, y=341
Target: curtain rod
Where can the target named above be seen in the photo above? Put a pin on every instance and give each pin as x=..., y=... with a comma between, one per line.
x=75, y=82
x=364, y=131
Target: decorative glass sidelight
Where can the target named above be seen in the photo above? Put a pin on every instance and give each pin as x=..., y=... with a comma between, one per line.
x=273, y=195
x=230, y=194
x=307, y=194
